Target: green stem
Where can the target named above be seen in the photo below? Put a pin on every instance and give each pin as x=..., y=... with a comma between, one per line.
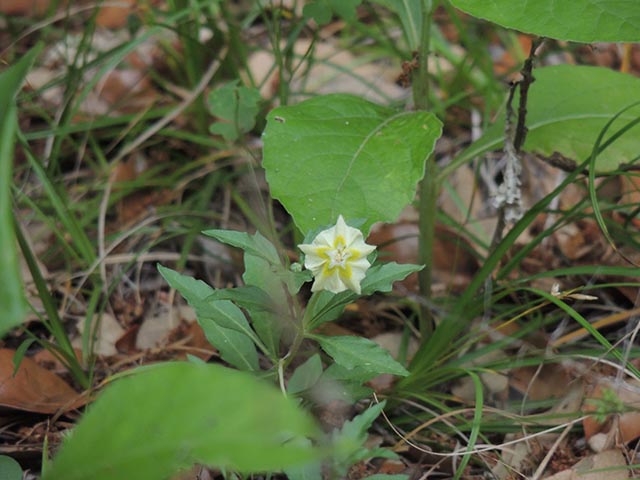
x=428, y=190
x=429, y=186
x=420, y=81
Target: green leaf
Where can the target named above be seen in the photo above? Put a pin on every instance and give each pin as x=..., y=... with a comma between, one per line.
x=576, y=20
x=410, y=14
x=358, y=352
x=306, y=375
x=12, y=298
x=255, y=244
x=567, y=108
x=358, y=374
x=356, y=428
x=338, y=383
x=172, y=415
x=309, y=471
x=349, y=441
x=380, y=277
x=238, y=106
x=222, y=322
x=322, y=10
x=9, y=468
x=235, y=347
x=194, y=291
x=247, y=296
x=339, y=154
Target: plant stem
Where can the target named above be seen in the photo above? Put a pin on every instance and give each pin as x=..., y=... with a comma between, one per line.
x=420, y=81
x=429, y=187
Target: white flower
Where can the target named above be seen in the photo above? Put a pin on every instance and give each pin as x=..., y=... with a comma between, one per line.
x=337, y=257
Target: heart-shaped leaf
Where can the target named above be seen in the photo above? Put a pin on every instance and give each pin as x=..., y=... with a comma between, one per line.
x=340, y=154
x=576, y=20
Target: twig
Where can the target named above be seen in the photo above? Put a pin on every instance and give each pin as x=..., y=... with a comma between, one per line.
x=525, y=83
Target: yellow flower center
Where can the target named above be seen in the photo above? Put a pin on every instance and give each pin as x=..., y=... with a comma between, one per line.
x=339, y=255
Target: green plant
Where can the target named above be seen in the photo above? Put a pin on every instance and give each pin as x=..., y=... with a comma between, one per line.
x=327, y=159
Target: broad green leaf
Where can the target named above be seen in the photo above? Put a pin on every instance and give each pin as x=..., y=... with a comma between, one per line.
x=362, y=353
x=322, y=10
x=12, y=301
x=9, y=468
x=306, y=375
x=359, y=375
x=338, y=383
x=577, y=20
x=328, y=306
x=238, y=106
x=339, y=154
x=567, y=108
x=169, y=416
x=222, y=322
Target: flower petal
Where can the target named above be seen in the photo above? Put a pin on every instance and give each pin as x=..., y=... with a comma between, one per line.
x=337, y=257
x=330, y=281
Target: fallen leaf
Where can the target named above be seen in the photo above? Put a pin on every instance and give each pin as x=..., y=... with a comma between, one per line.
x=115, y=16
x=548, y=382
x=453, y=261
x=523, y=456
x=29, y=8
x=108, y=334
x=628, y=423
x=33, y=388
x=607, y=465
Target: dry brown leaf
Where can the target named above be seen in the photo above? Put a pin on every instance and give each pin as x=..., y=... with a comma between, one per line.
x=628, y=423
x=549, y=382
x=24, y=7
x=392, y=342
x=33, y=388
x=453, y=263
x=523, y=456
x=494, y=382
x=160, y=321
x=108, y=334
x=115, y=16
x=608, y=465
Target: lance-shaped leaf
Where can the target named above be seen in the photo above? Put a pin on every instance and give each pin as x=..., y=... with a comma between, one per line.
x=12, y=301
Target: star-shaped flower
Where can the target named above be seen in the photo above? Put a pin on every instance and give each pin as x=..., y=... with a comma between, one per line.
x=337, y=257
